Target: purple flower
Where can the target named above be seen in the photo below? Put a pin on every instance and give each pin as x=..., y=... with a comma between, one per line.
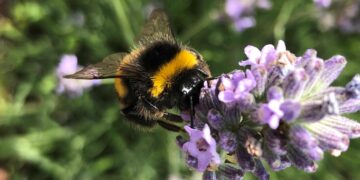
x=241, y=12
x=73, y=87
x=323, y=3
x=291, y=110
x=201, y=148
x=343, y=16
x=270, y=113
x=236, y=86
x=282, y=109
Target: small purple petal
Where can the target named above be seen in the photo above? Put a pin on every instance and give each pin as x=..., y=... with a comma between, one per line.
x=344, y=125
x=253, y=53
x=300, y=160
x=281, y=47
x=315, y=154
x=301, y=138
x=313, y=69
x=270, y=114
x=274, y=93
x=268, y=56
x=237, y=76
x=226, y=96
x=332, y=69
x=308, y=56
x=328, y=137
x=350, y=106
x=227, y=83
x=247, y=84
x=260, y=75
x=294, y=84
x=291, y=110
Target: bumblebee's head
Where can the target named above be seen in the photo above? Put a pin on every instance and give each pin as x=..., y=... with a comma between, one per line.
x=188, y=84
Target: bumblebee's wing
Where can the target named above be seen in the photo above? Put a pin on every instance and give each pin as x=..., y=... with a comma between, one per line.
x=157, y=28
x=102, y=70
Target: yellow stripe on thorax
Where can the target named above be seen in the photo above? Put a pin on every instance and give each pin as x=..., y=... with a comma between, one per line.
x=184, y=60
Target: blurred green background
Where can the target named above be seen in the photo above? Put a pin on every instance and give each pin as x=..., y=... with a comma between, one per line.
x=44, y=135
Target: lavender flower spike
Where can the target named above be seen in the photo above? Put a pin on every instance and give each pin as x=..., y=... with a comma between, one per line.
x=281, y=109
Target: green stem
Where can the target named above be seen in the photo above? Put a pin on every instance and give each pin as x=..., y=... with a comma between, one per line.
x=123, y=20
x=201, y=24
x=283, y=19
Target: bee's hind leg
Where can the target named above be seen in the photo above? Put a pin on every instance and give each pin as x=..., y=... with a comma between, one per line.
x=173, y=117
x=170, y=126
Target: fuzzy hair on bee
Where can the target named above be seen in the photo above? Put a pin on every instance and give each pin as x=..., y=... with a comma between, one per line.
x=158, y=74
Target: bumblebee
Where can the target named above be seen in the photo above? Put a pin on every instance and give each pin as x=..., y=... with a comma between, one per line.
x=158, y=74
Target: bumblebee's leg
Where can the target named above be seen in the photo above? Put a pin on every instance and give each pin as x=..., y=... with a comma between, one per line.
x=133, y=116
x=169, y=126
x=192, y=112
x=173, y=117
x=210, y=78
x=202, y=73
x=149, y=105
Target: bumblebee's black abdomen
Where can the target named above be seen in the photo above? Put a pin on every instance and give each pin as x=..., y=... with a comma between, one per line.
x=158, y=54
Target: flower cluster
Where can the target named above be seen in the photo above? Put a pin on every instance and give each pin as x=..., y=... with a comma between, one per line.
x=73, y=87
x=280, y=110
x=241, y=12
x=339, y=14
